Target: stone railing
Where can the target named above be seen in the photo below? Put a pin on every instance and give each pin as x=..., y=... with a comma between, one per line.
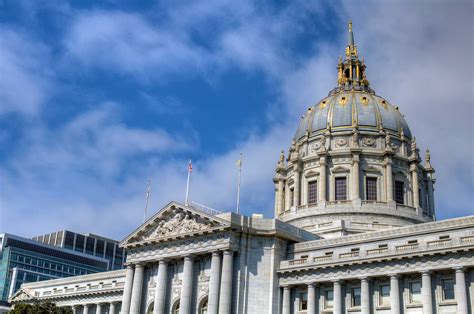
x=441, y=242
x=406, y=247
x=377, y=251
x=322, y=258
x=298, y=261
x=349, y=254
x=468, y=239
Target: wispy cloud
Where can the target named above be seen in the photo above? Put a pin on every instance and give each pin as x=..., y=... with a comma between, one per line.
x=24, y=73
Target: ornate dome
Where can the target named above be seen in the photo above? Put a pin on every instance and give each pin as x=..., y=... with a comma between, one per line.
x=353, y=165
x=345, y=110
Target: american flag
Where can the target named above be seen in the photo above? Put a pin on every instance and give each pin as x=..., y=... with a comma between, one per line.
x=190, y=166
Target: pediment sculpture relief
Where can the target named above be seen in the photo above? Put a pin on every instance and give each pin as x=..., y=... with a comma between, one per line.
x=178, y=222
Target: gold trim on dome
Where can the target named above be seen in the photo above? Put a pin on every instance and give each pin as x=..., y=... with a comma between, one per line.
x=343, y=100
x=323, y=104
x=364, y=100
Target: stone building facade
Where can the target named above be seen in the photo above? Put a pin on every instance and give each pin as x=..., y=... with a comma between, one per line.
x=354, y=231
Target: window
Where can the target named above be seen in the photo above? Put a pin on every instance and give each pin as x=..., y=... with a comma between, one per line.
x=341, y=189
x=415, y=292
x=292, y=199
x=99, y=249
x=328, y=299
x=90, y=246
x=448, y=289
x=371, y=189
x=303, y=302
x=80, y=242
x=175, y=308
x=203, y=306
x=399, y=192
x=312, y=192
x=384, y=295
x=355, y=297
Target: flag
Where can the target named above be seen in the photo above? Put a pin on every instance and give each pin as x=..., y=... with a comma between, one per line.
x=190, y=166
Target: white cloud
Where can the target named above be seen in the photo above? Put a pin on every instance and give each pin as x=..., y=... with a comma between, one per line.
x=126, y=42
x=24, y=73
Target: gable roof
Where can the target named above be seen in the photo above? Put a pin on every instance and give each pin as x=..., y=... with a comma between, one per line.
x=174, y=221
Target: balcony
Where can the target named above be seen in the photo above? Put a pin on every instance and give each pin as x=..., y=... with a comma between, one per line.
x=439, y=243
x=377, y=251
x=298, y=261
x=349, y=255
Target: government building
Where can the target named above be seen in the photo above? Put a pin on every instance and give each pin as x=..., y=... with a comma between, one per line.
x=354, y=231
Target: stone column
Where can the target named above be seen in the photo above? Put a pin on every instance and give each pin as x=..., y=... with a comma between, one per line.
x=74, y=309
x=186, y=286
x=364, y=296
x=322, y=179
x=85, y=309
x=225, y=298
x=426, y=294
x=337, y=307
x=112, y=308
x=460, y=291
x=213, y=301
x=127, y=291
x=160, y=292
x=280, y=196
x=389, y=178
x=394, y=295
x=356, y=177
x=135, y=304
x=296, y=189
x=98, y=308
x=414, y=183
x=286, y=308
x=311, y=298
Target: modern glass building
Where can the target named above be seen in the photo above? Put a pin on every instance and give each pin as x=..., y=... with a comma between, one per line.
x=89, y=244
x=24, y=260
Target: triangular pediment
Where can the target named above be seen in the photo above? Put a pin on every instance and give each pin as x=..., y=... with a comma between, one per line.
x=175, y=220
x=21, y=296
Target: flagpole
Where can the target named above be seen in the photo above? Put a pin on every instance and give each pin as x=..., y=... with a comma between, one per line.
x=148, y=190
x=239, y=163
x=190, y=167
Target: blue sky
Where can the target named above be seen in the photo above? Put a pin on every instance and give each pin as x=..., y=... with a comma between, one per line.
x=97, y=97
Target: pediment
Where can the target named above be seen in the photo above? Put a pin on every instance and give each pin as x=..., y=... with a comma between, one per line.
x=174, y=221
x=21, y=296
x=340, y=169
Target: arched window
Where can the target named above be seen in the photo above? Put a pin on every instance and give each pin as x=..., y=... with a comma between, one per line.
x=150, y=308
x=203, y=306
x=175, y=308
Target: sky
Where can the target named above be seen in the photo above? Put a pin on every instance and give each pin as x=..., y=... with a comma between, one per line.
x=97, y=97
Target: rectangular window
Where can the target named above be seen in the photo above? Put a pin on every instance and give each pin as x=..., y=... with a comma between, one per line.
x=312, y=192
x=341, y=189
x=303, y=302
x=328, y=299
x=371, y=189
x=399, y=192
x=90, y=246
x=292, y=193
x=384, y=294
x=69, y=240
x=415, y=292
x=355, y=296
x=99, y=249
x=79, y=243
x=109, y=251
x=448, y=289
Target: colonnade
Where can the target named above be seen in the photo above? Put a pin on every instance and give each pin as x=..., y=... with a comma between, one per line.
x=220, y=285
x=88, y=308
x=338, y=301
